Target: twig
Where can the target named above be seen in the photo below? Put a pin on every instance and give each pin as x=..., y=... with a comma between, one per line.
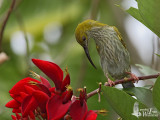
x=5, y=21
x=99, y=91
x=123, y=81
x=94, y=11
x=151, y=87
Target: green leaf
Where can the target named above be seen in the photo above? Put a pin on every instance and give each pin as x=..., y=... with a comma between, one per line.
x=4, y=6
x=146, y=70
x=156, y=95
x=149, y=11
x=135, y=13
x=142, y=94
x=158, y=55
x=123, y=103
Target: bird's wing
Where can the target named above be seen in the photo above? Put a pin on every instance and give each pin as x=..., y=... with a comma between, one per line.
x=119, y=36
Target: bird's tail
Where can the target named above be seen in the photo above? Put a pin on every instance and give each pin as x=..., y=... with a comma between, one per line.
x=128, y=85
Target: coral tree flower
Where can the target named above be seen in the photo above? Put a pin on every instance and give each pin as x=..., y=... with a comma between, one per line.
x=79, y=109
x=37, y=98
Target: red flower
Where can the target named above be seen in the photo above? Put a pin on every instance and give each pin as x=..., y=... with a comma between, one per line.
x=32, y=97
x=79, y=109
x=54, y=72
x=56, y=107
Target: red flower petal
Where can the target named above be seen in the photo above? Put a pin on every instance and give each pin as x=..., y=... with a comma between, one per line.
x=67, y=95
x=52, y=90
x=78, y=111
x=41, y=99
x=19, y=86
x=52, y=70
x=91, y=115
x=55, y=107
x=29, y=104
x=65, y=82
x=16, y=110
x=23, y=95
x=13, y=117
x=18, y=116
x=45, y=82
x=16, y=97
x=19, y=97
x=32, y=116
x=82, y=96
x=29, y=90
x=13, y=104
x=43, y=88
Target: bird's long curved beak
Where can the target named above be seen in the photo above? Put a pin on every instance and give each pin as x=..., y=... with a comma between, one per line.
x=88, y=56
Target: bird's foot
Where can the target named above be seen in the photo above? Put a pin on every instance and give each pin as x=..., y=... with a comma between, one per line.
x=136, y=79
x=110, y=82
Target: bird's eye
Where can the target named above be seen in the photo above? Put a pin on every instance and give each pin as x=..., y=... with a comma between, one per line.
x=83, y=38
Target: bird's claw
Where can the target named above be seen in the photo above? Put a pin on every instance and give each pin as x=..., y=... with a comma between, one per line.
x=136, y=79
x=110, y=82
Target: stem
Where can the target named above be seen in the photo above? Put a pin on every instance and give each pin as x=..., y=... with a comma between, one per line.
x=94, y=10
x=123, y=81
x=5, y=22
x=99, y=91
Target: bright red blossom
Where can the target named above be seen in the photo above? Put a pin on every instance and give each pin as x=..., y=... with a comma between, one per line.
x=32, y=98
x=79, y=109
x=54, y=72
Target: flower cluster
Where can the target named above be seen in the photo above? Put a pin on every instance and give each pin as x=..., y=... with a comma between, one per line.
x=33, y=98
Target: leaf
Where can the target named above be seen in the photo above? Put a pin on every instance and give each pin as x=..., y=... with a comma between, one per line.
x=149, y=11
x=142, y=94
x=146, y=70
x=135, y=13
x=123, y=104
x=158, y=55
x=4, y=6
x=156, y=95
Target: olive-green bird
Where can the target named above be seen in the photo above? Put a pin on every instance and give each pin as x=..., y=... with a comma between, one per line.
x=114, y=56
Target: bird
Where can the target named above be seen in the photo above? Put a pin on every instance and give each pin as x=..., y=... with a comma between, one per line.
x=114, y=56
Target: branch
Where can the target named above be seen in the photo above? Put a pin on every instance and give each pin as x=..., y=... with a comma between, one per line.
x=94, y=9
x=5, y=21
x=123, y=81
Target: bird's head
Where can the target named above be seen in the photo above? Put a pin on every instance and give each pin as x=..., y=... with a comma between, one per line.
x=82, y=34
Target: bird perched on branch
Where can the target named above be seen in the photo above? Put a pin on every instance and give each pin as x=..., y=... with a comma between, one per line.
x=114, y=56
